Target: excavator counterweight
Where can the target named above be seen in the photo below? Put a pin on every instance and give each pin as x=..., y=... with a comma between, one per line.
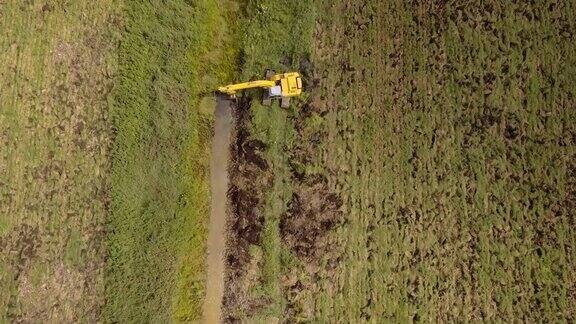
x=283, y=86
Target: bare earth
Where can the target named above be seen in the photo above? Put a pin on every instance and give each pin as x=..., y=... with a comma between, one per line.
x=217, y=230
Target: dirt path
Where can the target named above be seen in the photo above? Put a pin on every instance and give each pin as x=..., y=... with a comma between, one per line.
x=217, y=228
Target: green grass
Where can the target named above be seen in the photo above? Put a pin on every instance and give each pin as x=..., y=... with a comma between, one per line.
x=59, y=59
x=171, y=54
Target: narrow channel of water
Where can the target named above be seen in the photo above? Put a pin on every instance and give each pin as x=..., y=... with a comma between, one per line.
x=216, y=244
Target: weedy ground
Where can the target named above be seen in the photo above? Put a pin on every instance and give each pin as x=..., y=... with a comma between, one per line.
x=429, y=175
x=55, y=133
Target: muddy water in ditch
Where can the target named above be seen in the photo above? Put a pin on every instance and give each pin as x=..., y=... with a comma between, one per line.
x=216, y=244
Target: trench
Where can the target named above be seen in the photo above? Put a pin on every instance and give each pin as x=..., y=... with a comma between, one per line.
x=216, y=243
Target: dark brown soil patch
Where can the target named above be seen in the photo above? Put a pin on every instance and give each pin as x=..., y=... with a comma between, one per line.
x=313, y=213
x=20, y=246
x=249, y=180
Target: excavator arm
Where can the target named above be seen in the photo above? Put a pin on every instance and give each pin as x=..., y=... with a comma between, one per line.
x=282, y=86
x=232, y=88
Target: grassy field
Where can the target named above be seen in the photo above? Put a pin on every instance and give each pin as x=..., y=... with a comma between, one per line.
x=55, y=133
x=171, y=54
x=429, y=175
x=104, y=156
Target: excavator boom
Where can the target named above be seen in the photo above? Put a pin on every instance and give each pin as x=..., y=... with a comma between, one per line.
x=232, y=88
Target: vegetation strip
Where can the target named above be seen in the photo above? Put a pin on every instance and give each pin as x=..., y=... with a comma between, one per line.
x=261, y=183
x=172, y=52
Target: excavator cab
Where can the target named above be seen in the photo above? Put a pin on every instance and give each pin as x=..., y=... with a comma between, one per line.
x=282, y=86
x=286, y=85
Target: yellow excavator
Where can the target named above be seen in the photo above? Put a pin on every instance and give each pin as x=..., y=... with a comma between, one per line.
x=283, y=86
